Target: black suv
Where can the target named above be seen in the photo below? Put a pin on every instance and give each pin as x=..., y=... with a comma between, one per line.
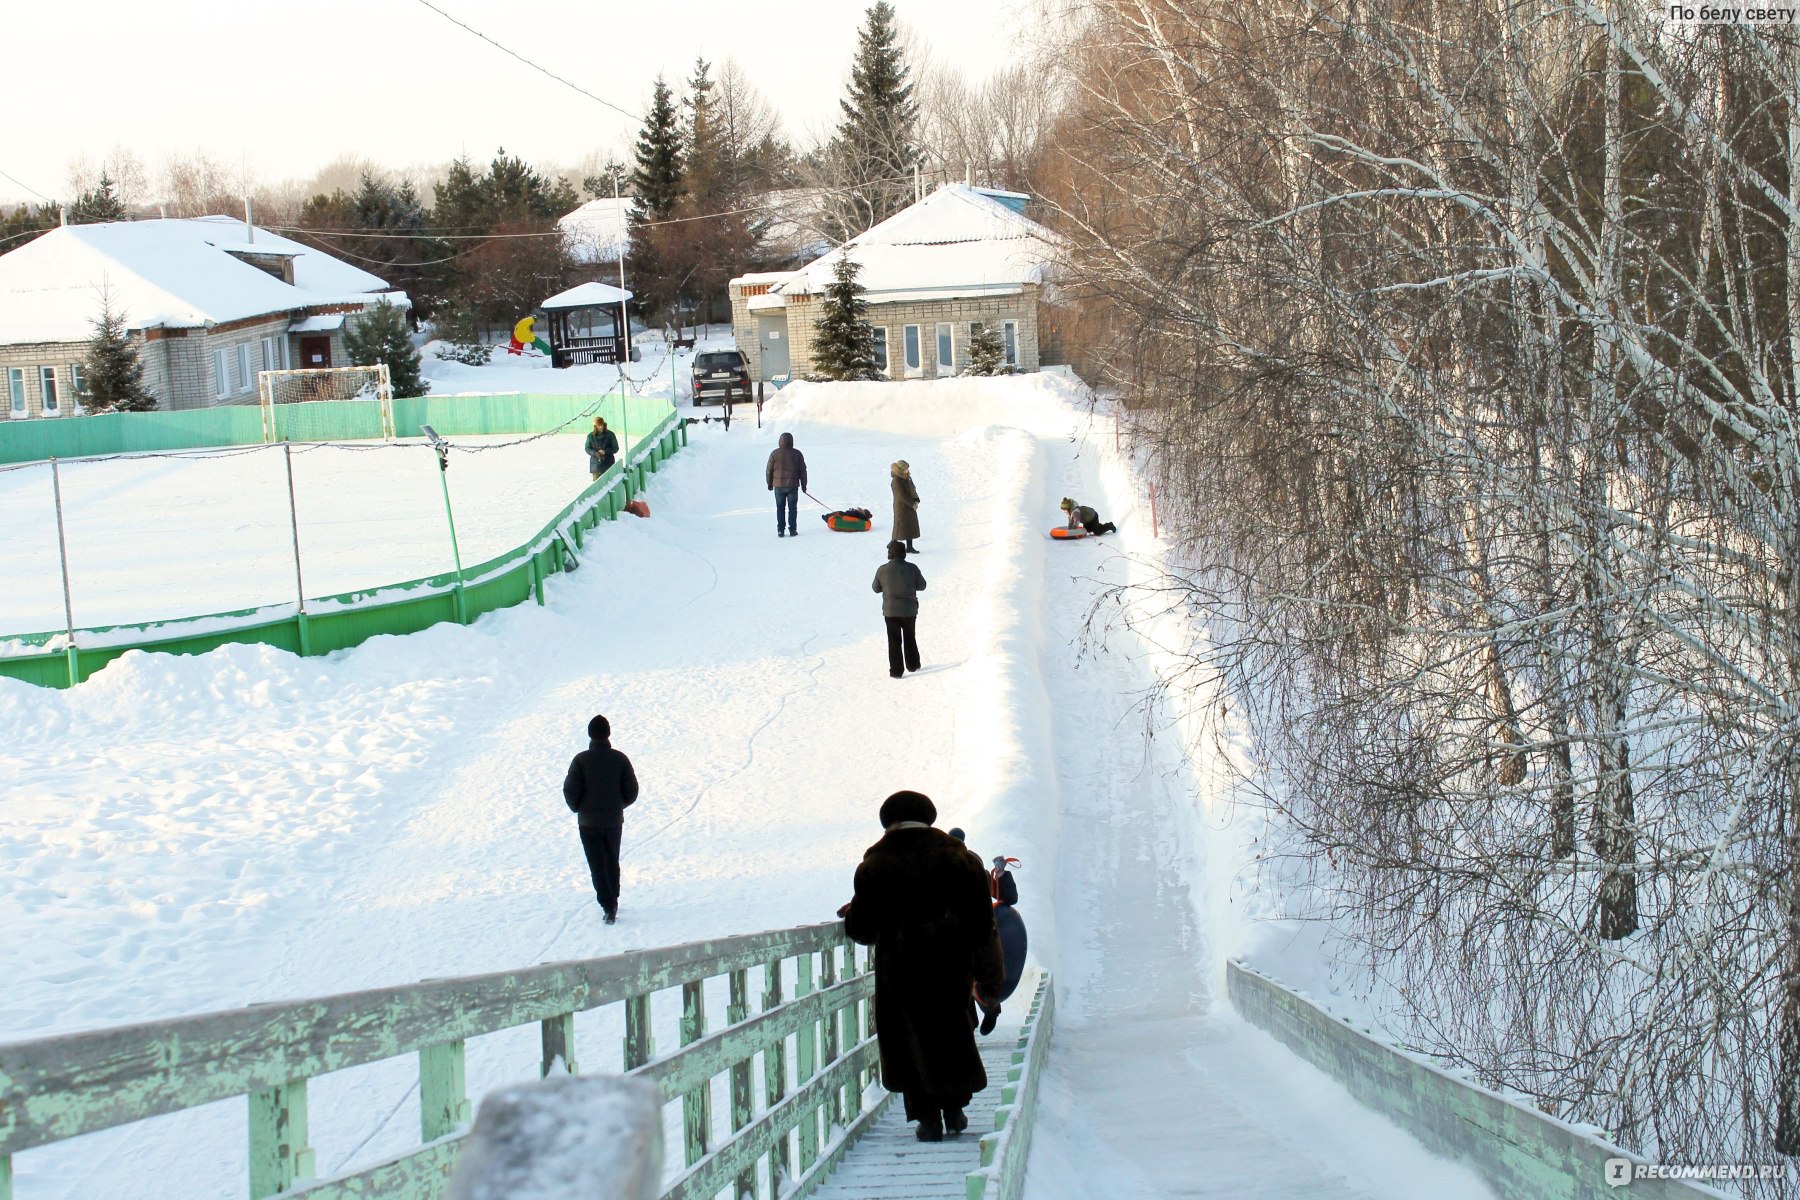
x=716, y=371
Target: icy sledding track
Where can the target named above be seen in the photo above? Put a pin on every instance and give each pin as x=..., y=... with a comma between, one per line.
x=180, y=835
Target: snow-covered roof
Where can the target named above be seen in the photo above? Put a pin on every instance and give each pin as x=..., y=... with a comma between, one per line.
x=587, y=295
x=321, y=323
x=955, y=242
x=596, y=232
x=174, y=273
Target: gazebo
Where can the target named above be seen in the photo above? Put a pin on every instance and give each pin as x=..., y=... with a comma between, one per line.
x=585, y=324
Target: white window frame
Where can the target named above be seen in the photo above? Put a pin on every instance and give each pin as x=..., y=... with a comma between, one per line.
x=48, y=394
x=1009, y=339
x=20, y=407
x=78, y=384
x=882, y=357
x=912, y=350
x=946, y=348
x=221, y=374
x=272, y=348
x=244, y=375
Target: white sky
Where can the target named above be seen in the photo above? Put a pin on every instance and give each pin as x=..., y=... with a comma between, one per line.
x=284, y=88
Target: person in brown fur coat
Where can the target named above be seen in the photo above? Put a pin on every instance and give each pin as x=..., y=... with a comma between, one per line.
x=922, y=901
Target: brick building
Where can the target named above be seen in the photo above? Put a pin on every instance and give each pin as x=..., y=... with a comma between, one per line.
x=933, y=273
x=209, y=302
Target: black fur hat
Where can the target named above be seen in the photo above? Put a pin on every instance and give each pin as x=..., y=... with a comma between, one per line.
x=599, y=727
x=907, y=806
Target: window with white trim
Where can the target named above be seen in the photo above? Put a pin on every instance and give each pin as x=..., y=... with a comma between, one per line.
x=881, y=353
x=910, y=349
x=47, y=389
x=1009, y=336
x=244, y=378
x=78, y=381
x=15, y=387
x=946, y=350
x=221, y=375
x=272, y=348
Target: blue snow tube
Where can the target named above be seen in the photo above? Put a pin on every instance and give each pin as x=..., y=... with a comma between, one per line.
x=1012, y=946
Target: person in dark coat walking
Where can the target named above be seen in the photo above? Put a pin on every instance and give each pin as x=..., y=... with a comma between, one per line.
x=922, y=901
x=786, y=477
x=906, y=506
x=1083, y=517
x=599, y=787
x=602, y=446
x=900, y=583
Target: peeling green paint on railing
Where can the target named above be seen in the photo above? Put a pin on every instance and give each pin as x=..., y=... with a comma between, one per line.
x=338, y=622
x=52, y=1089
x=1005, y=1152
x=1519, y=1152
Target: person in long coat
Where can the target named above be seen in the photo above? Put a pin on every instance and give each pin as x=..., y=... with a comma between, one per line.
x=922, y=901
x=906, y=506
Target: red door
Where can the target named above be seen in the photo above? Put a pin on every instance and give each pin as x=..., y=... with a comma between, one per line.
x=315, y=352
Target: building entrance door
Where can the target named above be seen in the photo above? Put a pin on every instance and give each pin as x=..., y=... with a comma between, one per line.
x=315, y=352
x=771, y=336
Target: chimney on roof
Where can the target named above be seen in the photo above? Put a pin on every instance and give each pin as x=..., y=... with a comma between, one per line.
x=249, y=225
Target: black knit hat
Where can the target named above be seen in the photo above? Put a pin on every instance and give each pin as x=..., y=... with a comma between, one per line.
x=907, y=806
x=599, y=727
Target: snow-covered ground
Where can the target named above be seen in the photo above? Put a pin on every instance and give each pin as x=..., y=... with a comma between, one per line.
x=184, y=834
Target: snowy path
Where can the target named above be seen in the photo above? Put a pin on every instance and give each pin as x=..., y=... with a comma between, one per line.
x=180, y=835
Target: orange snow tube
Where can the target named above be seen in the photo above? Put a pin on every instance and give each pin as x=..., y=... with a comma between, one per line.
x=1063, y=533
x=845, y=522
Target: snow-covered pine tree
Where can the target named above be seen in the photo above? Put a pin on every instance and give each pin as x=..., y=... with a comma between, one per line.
x=656, y=185
x=876, y=144
x=99, y=203
x=112, y=373
x=987, y=353
x=843, y=340
x=381, y=337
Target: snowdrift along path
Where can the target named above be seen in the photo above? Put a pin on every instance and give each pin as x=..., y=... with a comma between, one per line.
x=184, y=834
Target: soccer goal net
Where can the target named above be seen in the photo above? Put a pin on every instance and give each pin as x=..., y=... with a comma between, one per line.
x=327, y=404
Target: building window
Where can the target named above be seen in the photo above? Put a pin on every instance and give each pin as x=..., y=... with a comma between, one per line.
x=15, y=386
x=881, y=354
x=1009, y=335
x=221, y=375
x=272, y=348
x=78, y=381
x=47, y=385
x=909, y=341
x=243, y=367
x=946, y=362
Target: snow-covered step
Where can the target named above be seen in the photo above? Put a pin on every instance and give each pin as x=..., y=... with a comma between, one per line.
x=891, y=1163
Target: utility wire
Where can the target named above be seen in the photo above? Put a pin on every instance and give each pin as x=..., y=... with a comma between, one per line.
x=631, y=116
x=29, y=188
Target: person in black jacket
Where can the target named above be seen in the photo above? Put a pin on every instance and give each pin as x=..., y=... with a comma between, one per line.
x=599, y=787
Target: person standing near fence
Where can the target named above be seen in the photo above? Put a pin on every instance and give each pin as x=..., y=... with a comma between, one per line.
x=786, y=477
x=602, y=448
x=922, y=901
x=599, y=787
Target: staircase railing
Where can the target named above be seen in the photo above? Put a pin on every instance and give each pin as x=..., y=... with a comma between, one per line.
x=786, y=1073
x=1005, y=1151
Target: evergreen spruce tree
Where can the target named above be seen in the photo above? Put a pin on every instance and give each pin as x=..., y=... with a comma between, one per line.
x=381, y=337
x=656, y=190
x=987, y=353
x=112, y=374
x=843, y=340
x=876, y=144
x=99, y=203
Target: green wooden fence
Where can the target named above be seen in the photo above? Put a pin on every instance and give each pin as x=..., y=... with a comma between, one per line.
x=329, y=623
x=1005, y=1151
x=791, y=1067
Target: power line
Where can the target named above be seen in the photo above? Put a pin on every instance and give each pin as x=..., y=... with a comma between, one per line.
x=631, y=116
x=29, y=188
